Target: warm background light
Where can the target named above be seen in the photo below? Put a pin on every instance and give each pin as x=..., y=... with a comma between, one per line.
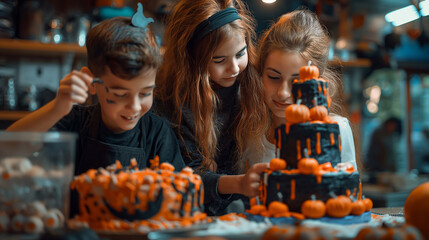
x=407, y=14
x=269, y=1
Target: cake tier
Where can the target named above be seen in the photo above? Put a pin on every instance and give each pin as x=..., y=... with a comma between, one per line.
x=321, y=140
x=308, y=90
x=143, y=196
x=297, y=188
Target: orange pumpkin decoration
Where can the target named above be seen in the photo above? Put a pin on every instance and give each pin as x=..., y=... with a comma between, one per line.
x=358, y=207
x=313, y=208
x=339, y=207
x=389, y=233
x=318, y=113
x=296, y=113
x=307, y=165
x=276, y=207
x=257, y=209
x=277, y=164
x=368, y=204
x=308, y=72
x=416, y=209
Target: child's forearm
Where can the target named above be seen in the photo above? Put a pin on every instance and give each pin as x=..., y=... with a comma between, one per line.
x=40, y=120
x=229, y=184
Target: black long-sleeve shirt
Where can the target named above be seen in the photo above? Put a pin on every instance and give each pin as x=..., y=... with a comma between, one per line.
x=229, y=107
x=152, y=135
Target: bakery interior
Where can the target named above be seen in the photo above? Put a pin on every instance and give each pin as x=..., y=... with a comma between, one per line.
x=384, y=63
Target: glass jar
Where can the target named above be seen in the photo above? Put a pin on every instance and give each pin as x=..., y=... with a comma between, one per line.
x=36, y=170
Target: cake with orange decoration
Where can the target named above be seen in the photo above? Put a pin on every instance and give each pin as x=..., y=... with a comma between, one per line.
x=124, y=198
x=308, y=179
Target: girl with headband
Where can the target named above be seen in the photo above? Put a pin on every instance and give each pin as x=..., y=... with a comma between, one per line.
x=209, y=89
x=283, y=49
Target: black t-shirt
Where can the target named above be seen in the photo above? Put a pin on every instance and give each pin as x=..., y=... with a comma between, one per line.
x=152, y=135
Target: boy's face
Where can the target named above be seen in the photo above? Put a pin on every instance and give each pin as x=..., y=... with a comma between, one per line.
x=123, y=102
x=278, y=74
x=229, y=60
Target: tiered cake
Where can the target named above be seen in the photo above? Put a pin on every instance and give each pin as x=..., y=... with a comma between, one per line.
x=118, y=198
x=308, y=180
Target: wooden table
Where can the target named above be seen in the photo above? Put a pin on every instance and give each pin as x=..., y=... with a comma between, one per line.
x=392, y=211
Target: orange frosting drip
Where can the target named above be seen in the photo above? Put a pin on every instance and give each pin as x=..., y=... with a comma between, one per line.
x=308, y=146
x=332, y=139
x=319, y=87
x=299, y=93
x=278, y=186
x=348, y=192
x=292, y=189
x=318, y=148
x=351, y=169
x=322, y=169
x=280, y=139
x=287, y=128
x=298, y=149
x=339, y=142
x=360, y=191
x=318, y=175
x=324, y=91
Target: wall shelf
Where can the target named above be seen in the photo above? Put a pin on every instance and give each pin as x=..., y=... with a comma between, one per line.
x=65, y=53
x=18, y=47
x=357, y=63
x=12, y=115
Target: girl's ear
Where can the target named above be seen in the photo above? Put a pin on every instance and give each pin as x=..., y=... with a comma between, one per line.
x=91, y=87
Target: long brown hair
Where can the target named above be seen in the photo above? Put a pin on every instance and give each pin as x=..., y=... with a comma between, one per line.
x=300, y=31
x=183, y=80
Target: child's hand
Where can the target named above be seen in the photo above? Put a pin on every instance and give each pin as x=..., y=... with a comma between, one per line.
x=251, y=180
x=73, y=89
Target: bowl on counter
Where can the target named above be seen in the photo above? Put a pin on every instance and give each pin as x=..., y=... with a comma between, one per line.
x=35, y=174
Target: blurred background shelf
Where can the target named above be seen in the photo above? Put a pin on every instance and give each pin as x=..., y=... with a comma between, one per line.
x=12, y=115
x=359, y=62
x=18, y=47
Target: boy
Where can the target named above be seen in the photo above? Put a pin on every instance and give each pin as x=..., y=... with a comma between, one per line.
x=123, y=59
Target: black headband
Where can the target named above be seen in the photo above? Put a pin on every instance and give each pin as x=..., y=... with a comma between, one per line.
x=214, y=22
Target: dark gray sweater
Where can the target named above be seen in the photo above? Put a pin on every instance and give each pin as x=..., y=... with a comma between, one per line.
x=214, y=203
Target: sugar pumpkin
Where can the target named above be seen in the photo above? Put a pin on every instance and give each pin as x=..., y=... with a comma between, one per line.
x=296, y=113
x=318, y=113
x=313, y=208
x=358, y=207
x=339, y=206
x=276, y=207
x=307, y=165
x=277, y=164
x=416, y=209
x=308, y=72
x=368, y=204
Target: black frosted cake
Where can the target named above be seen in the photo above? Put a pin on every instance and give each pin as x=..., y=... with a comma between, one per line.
x=321, y=141
x=308, y=180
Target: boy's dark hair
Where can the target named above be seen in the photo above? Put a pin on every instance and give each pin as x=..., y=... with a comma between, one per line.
x=127, y=50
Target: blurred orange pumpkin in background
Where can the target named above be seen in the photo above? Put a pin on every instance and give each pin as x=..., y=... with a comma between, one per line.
x=416, y=209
